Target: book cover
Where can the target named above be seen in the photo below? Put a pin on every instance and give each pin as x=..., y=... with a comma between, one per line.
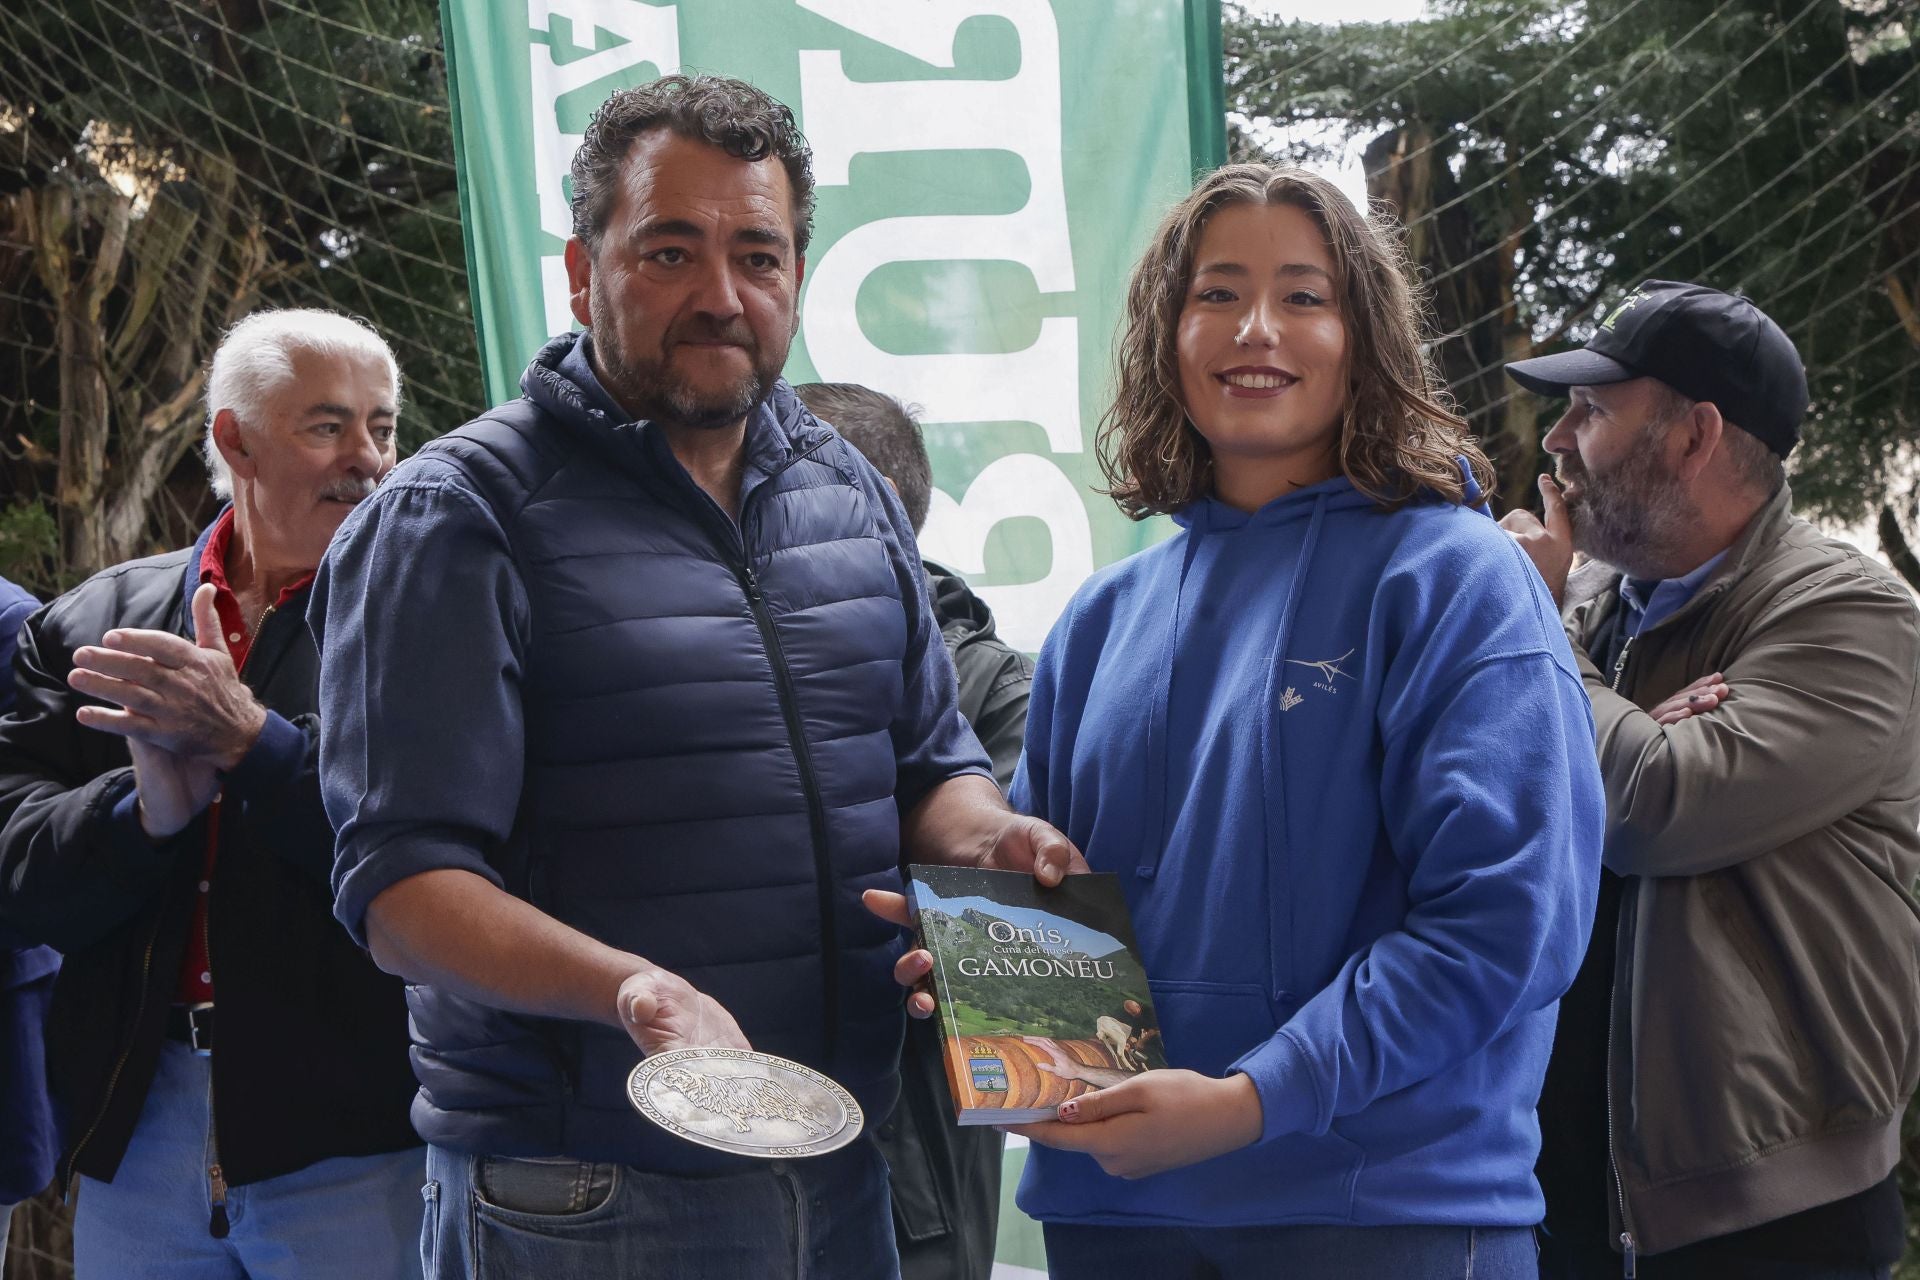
x=1041, y=993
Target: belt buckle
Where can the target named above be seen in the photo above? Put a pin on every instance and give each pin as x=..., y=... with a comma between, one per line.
x=196, y=1028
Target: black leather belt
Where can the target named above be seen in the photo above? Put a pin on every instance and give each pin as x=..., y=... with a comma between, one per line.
x=192, y=1027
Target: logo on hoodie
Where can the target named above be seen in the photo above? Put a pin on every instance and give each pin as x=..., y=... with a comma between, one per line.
x=1290, y=699
x=1330, y=673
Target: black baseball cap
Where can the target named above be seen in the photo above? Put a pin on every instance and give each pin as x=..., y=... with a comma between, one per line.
x=1705, y=344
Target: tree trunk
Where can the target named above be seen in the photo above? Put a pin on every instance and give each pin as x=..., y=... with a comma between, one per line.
x=181, y=338
x=139, y=303
x=66, y=218
x=1516, y=448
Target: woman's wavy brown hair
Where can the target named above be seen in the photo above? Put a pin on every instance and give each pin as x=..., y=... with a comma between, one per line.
x=1399, y=435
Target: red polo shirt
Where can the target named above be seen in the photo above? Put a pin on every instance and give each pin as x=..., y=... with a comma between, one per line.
x=196, y=969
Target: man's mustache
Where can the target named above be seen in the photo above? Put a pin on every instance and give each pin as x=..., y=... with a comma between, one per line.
x=736, y=332
x=350, y=489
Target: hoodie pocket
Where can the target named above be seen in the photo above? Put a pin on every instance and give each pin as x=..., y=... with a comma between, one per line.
x=1296, y=1178
x=1205, y=1026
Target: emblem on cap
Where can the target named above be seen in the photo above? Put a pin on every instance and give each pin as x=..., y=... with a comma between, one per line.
x=1627, y=304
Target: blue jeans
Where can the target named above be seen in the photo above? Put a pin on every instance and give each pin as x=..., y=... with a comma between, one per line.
x=1077, y=1252
x=349, y=1216
x=496, y=1218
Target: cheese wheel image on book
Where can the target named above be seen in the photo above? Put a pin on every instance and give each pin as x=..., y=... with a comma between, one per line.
x=1041, y=994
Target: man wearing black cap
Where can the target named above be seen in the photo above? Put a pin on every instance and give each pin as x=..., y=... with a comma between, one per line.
x=1731, y=1065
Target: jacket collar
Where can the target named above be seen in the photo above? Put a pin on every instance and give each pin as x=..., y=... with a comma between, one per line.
x=779, y=428
x=961, y=614
x=1599, y=583
x=1767, y=527
x=190, y=579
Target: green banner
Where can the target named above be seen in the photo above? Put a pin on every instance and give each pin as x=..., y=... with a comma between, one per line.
x=988, y=171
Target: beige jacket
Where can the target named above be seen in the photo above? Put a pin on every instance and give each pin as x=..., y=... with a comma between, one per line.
x=1766, y=1008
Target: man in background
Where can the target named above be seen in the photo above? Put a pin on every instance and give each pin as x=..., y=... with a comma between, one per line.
x=945, y=1179
x=160, y=824
x=1732, y=1062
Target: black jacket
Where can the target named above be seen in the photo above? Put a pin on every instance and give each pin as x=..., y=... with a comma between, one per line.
x=310, y=1054
x=946, y=1179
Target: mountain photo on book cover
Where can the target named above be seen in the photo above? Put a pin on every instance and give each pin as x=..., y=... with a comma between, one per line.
x=1041, y=993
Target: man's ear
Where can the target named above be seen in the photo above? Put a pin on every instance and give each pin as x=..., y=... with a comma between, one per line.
x=799, y=274
x=231, y=441
x=1702, y=430
x=579, y=281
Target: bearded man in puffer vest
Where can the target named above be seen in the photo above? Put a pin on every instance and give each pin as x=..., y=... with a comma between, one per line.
x=639, y=697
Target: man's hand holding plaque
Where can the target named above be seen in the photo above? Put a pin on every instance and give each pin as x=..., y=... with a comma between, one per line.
x=663, y=1011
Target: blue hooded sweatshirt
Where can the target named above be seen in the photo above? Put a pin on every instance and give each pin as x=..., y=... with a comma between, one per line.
x=1343, y=762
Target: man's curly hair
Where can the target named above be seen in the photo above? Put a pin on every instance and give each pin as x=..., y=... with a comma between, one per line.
x=727, y=113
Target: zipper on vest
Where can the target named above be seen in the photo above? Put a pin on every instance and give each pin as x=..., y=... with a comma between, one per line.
x=816, y=809
x=729, y=534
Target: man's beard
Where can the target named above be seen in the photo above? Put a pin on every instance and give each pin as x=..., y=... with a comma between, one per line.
x=651, y=389
x=1632, y=514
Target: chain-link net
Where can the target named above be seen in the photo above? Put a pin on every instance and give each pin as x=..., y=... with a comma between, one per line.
x=1546, y=157
x=168, y=166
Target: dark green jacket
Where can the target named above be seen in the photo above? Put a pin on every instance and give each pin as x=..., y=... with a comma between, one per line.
x=994, y=678
x=946, y=1180
x=1766, y=993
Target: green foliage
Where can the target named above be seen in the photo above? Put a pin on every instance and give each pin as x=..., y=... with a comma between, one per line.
x=335, y=114
x=1547, y=157
x=29, y=539
x=170, y=167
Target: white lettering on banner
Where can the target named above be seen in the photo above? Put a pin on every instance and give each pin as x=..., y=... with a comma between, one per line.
x=1020, y=484
x=1040, y=383
x=647, y=34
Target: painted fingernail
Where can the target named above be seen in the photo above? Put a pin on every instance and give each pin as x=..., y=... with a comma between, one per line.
x=1070, y=1110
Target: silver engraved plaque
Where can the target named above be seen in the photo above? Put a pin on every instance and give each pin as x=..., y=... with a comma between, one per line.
x=752, y=1104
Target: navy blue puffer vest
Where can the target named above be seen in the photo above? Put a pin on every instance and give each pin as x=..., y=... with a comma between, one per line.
x=710, y=776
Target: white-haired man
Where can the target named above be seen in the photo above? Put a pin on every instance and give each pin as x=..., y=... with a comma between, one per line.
x=160, y=823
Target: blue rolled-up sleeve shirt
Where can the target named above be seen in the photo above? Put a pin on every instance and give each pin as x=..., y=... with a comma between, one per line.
x=422, y=623
x=424, y=627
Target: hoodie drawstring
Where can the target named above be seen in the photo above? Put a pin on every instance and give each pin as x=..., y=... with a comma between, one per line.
x=1153, y=826
x=1273, y=760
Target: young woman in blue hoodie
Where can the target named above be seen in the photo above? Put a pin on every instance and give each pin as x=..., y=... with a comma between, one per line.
x=1332, y=738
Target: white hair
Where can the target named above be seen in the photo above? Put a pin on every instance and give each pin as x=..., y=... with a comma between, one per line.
x=255, y=359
